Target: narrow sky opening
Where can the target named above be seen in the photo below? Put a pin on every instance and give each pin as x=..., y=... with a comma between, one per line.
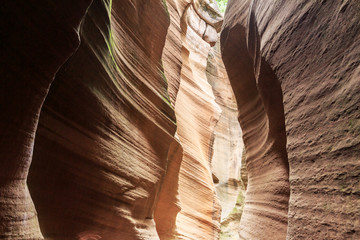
x=222, y=5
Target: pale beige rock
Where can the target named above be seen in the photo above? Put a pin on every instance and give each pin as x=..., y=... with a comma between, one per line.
x=196, y=113
x=227, y=146
x=209, y=12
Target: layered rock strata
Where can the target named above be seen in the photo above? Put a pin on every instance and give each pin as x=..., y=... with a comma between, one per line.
x=196, y=114
x=103, y=142
x=308, y=52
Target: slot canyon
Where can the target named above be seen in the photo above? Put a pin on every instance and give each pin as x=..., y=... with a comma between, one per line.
x=180, y=120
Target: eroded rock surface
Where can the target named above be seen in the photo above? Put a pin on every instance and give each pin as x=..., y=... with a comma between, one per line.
x=308, y=52
x=107, y=162
x=104, y=135
x=31, y=54
x=196, y=114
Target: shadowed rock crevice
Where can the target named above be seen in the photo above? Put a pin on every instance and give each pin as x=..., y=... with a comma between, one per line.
x=32, y=52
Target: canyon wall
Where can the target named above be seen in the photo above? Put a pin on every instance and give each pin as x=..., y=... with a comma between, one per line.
x=308, y=52
x=31, y=54
x=196, y=114
x=117, y=96
x=103, y=141
x=122, y=120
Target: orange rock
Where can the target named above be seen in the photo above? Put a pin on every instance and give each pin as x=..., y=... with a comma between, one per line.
x=105, y=130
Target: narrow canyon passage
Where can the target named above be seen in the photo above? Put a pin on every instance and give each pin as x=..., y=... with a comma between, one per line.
x=179, y=119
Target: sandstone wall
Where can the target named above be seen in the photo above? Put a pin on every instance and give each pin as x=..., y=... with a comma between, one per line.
x=104, y=135
x=118, y=120
x=196, y=113
x=31, y=54
x=307, y=52
x=107, y=161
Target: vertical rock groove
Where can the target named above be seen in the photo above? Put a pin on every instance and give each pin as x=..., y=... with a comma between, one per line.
x=196, y=113
x=261, y=116
x=168, y=204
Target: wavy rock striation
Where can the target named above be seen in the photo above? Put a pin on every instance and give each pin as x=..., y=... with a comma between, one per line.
x=307, y=52
x=185, y=57
x=107, y=162
x=118, y=120
x=103, y=142
x=196, y=114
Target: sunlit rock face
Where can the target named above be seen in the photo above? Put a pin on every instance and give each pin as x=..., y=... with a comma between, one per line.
x=204, y=19
x=196, y=114
x=185, y=57
x=106, y=129
x=307, y=52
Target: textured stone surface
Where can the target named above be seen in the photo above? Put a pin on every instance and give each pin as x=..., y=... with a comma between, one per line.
x=171, y=58
x=105, y=130
x=196, y=114
x=117, y=123
x=310, y=50
x=262, y=120
x=106, y=158
x=185, y=66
